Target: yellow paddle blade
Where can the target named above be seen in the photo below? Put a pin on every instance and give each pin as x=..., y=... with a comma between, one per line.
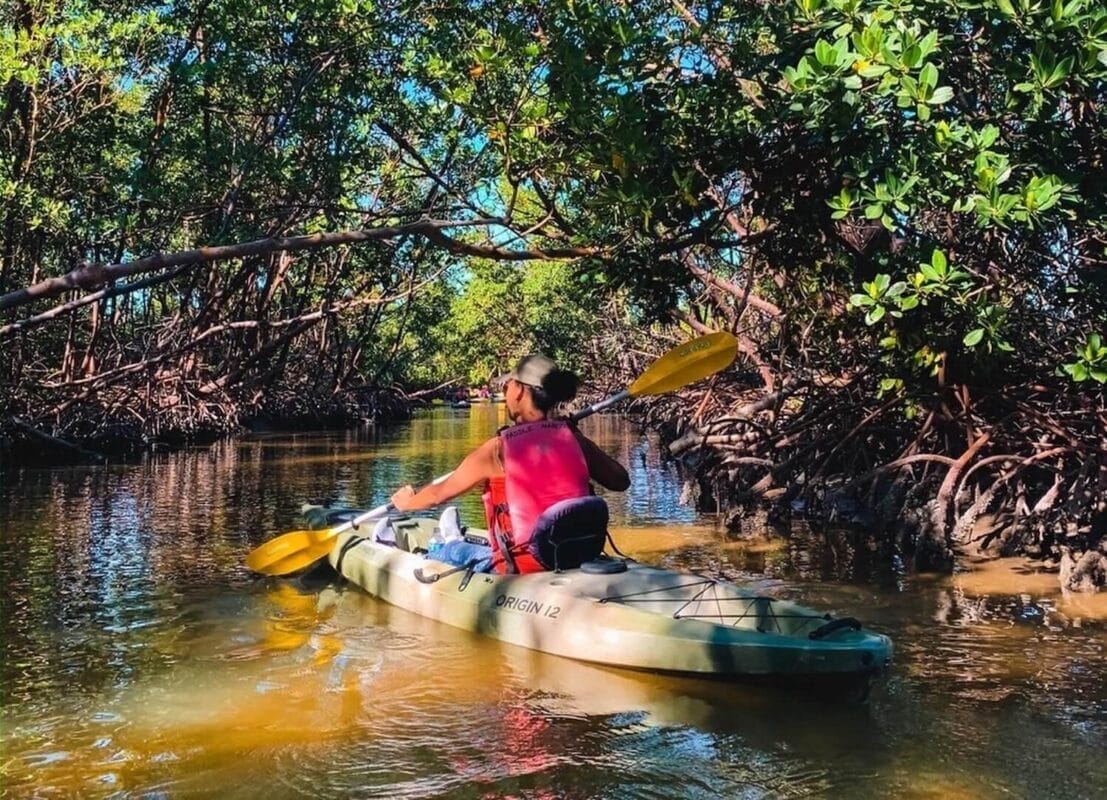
x=282, y=555
x=687, y=363
x=301, y=559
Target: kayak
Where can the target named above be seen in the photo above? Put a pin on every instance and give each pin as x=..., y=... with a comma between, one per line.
x=639, y=617
x=460, y=404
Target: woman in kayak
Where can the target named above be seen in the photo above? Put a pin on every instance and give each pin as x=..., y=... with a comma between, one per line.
x=525, y=469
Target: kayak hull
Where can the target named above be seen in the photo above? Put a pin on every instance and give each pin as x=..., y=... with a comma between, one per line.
x=644, y=618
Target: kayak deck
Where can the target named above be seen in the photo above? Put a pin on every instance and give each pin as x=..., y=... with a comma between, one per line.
x=641, y=618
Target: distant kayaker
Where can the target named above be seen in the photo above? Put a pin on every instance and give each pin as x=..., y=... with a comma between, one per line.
x=525, y=469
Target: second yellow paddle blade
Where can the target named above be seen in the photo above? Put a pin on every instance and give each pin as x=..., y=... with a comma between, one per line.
x=271, y=557
x=299, y=560
x=687, y=363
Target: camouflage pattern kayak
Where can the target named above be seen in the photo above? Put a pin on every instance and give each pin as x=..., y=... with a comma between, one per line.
x=613, y=612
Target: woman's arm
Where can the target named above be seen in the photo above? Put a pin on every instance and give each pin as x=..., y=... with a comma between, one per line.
x=477, y=467
x=602, y=468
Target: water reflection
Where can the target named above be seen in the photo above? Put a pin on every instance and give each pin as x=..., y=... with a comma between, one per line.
x=140, y=657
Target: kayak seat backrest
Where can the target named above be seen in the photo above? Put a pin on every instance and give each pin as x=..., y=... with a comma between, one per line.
x=409, y=535
x=569, y=533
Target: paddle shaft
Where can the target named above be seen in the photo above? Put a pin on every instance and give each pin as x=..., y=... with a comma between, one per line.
x=379, y=511
x=588, y=411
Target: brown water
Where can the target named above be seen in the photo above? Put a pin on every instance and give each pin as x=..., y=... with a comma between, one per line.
x=141, y=659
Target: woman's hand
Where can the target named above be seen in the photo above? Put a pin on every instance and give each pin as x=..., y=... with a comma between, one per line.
x=402, y=496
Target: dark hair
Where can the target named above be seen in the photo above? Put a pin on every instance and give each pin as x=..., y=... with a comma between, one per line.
x=558, y=386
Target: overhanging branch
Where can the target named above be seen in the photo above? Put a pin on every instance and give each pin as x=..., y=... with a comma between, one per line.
x=91, y=277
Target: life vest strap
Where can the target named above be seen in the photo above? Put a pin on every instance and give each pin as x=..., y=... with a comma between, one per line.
x=504, y=547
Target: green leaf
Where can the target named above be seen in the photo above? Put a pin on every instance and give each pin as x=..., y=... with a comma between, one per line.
x=841, y=52
x=929, y=43
x=1077, y=371
x=875, y=315
x=873, y=71
x=988, y=136
x=943, y=94
x=928, y=76
x=973, y=337
x=1099, y=374
x=1060, y=72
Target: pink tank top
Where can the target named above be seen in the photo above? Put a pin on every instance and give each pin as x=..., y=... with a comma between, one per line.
x=543, y=465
